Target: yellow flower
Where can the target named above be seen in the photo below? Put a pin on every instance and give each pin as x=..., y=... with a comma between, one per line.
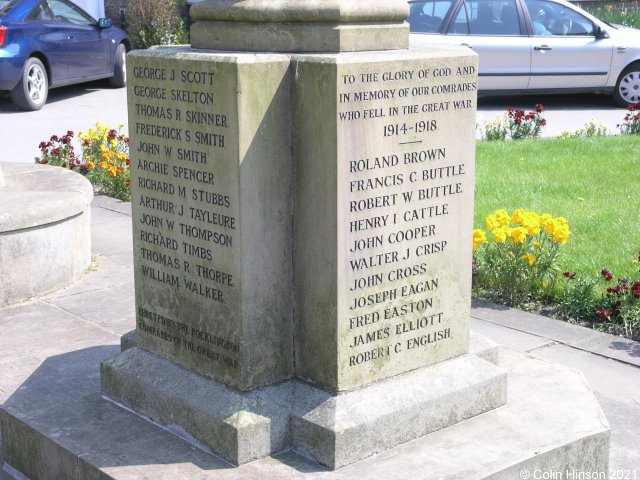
x=103, y=165
x=91, y=165
x=112, y=171
x=500, y=234
x=529, y=258
x=546, y=221
x=531, y=221
x=503, y=218
x=519, y=235
x=479, y=238
x=518, y=216
x=537, y=244
x=561, y=235
x=492, y=223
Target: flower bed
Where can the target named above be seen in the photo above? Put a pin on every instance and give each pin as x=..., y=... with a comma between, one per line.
x=104, y=158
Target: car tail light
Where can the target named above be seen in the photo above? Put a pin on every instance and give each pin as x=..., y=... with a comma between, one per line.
x=3, y=35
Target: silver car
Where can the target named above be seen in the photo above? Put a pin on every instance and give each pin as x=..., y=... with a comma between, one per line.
x=535, y=46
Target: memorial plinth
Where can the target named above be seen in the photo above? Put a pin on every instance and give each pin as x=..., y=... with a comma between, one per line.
x=302, y=234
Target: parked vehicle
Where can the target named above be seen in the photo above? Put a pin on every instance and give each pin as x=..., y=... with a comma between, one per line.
x=51, y=43
x=535, y=46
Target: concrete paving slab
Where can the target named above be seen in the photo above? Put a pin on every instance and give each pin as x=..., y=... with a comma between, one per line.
x=511, y=338
x=617, y=387
x=111, y=204
x=42, y=329
x=111, y=232
x=111, y=308
x=114, y=240
x=104, y=273
x=14, y=371
x=576, y=336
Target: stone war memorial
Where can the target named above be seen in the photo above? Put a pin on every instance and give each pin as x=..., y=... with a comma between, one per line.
x=302, y=187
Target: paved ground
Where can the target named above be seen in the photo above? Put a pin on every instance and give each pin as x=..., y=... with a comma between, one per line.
x=76, y=108
x=95, y=312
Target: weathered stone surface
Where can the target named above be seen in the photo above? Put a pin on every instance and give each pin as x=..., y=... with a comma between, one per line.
x=211, y=182
x=301, y=11
x=346, y=428
x=545, y=428
x=382, y=210
x=297, y=38
x=45, y=240
x=383, y=203
x=335, y=431
x=240, y=427
x=300, y=26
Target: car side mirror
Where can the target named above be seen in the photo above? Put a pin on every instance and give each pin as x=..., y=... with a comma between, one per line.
x=601, y=33
x=105, y=23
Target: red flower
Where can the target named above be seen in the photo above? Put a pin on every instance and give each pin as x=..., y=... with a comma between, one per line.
x=603, y=315
x=569, y=275
x=539, y=107
x=543, y=122
x=606, y=274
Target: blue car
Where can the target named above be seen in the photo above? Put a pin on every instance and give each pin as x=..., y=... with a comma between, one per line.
x=51, y=43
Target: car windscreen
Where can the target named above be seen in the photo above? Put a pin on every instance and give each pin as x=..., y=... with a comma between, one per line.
x=6, y=6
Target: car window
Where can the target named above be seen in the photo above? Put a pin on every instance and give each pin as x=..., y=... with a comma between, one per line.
x=550, y=18
x=41, y=12
x=6, y=6
x=427, y=17
x=486, y=17
x=67, y=12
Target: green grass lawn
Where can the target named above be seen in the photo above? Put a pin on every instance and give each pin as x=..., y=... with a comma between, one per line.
x=593, y=182
x=628, y=16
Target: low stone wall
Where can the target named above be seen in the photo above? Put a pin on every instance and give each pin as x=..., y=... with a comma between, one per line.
x=45, y=234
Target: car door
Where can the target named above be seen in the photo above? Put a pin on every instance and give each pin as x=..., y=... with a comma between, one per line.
x=566, y=51
x=50, y=38
x=87, y=46
x=496, y=30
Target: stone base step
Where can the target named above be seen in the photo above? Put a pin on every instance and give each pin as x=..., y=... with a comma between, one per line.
x=58, y=426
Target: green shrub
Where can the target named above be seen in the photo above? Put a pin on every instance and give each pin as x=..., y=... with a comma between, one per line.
x=156, y=22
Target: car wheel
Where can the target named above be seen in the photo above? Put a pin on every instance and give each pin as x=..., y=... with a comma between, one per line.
x=33, y=87
x=119, y=78
x=628, y=87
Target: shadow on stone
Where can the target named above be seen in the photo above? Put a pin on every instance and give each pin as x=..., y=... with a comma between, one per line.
x=632, y=348
x=57, y=422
